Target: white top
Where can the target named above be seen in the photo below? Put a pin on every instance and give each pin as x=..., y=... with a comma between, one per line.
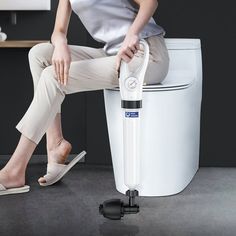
x=108, y=21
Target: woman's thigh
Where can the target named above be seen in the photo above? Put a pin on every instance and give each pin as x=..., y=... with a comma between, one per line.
x=40, y=57
x=97, y=71
x=158, y=64
x=44, y=52
x=100, y=73
x=159, y=60
x=88, y=74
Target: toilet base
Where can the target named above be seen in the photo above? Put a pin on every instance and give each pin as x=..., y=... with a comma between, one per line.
x=158, y=193
x=170, y=135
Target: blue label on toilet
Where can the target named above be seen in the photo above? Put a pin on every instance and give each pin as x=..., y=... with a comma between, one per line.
x=131, y=114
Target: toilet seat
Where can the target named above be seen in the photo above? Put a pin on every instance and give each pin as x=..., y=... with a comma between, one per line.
x=174, y=80
x=160, y=87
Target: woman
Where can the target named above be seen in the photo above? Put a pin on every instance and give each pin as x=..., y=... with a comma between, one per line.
x=59, y=69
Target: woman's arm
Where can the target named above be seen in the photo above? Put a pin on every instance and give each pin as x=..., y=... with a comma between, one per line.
x=131, y=41
x=61, y=57
x=61, y=23
x=146, y=11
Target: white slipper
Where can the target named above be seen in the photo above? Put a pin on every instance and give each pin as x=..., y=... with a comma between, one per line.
x=5, y=191
x=56, y=171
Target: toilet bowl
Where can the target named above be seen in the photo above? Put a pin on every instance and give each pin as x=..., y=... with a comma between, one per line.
x=170, y=124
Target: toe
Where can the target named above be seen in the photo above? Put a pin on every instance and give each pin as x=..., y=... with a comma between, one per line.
x=41, y=180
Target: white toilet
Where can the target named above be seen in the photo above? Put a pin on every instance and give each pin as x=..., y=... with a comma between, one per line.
x=170, y=124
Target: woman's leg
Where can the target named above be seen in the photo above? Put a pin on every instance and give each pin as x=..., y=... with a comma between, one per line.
x=39, y=58
x=57, y=147
x=41, y=112
x=13, y=173
x=158, y=60
x=84, y=75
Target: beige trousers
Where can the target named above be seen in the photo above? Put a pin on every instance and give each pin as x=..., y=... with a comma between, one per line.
x=90, y=69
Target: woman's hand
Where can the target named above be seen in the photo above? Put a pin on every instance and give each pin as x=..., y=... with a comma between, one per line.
x=61, y=60
x=128, y=48
x=131, y=42
x=61, y=57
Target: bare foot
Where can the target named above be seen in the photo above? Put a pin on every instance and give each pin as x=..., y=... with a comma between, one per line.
x=58, y=154
x=12, y=179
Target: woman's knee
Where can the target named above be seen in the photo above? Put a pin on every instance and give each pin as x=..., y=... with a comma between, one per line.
x=42, y=52
x=48, y=73
x=49, y=79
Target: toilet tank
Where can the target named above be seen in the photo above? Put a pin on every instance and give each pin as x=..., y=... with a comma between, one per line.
x=185, y=62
